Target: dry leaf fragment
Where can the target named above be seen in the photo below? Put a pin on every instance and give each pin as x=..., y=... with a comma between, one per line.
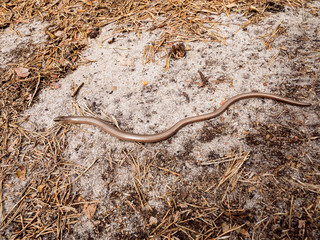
x=90, y=209
x=22, y=72
x=301, y=224
x=41, y=187
x=251, y=189
x=12, y=147
x=187, y=48
x=183, y=205
x=225, y=227
x=21, y=174
x=244, y=232
x=69, y=209
x=153, y=221
x=55, y=85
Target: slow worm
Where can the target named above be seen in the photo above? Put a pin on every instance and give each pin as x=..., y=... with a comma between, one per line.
x=127, y=136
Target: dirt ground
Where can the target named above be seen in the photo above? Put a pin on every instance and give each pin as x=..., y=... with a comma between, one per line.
x=251, y=173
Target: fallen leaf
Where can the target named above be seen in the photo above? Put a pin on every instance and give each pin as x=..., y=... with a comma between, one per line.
x=41, y=187
x=225, y=227
x=22, y=72
x=301, y=224
x=244, y=233
x=12, y=147
x=90, y=209
x=97, y=222
x=69, y=209
x=144, y=83
x=21, y=174
x=153, y=221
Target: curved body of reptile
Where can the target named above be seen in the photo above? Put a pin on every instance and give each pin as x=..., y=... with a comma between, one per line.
x=127, y=136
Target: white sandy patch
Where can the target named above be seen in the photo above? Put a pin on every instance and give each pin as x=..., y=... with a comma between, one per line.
x=20, y=38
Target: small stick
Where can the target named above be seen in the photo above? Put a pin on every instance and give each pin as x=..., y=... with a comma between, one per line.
x=35, y=91
x=75, y=92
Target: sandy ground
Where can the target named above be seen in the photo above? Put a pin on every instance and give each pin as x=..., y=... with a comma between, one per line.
x=145, y=98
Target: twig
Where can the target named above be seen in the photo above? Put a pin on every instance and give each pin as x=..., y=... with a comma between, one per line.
x=75, y=92
x=35, y=91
